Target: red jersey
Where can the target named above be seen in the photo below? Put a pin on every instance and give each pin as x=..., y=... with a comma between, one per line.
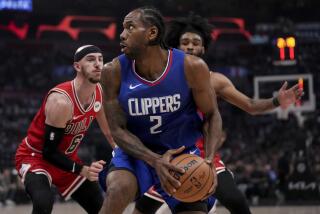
x=75, y=129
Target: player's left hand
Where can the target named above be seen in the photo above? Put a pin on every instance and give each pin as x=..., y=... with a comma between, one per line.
x=286, y=97
x=215, y=180
x=94, y=169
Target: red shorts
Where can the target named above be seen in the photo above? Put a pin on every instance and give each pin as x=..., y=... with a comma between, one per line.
x=29, y=159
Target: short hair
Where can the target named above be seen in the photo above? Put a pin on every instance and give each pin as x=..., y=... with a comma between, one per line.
x=193, y=23
x=152, y=16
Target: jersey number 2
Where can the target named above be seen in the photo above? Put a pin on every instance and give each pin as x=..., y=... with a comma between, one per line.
x=158, y=121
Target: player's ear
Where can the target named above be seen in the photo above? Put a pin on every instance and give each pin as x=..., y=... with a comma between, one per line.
x=76, y=66
x=153, y=33
x=202, y=50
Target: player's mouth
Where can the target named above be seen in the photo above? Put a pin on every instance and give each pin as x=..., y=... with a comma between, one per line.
x=123, y=47
x=190, y=52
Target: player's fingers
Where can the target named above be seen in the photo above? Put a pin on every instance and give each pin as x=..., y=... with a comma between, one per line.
x=176, y=151
x=284, y=86
x=295, y=87
x=172, y=180
x=166, y=186
x=95, y=169
x=209, y=162
x=169, y=190
x=174, y=168
x=102, y=162
x=93, y=176
x=97, y=165
x=173, y=184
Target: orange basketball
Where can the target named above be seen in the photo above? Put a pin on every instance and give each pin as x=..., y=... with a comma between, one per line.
x=197, y=179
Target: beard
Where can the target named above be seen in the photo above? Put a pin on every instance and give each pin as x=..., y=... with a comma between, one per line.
x=94, y=81
x=91, y=79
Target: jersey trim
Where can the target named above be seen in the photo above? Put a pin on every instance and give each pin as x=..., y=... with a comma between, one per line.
x=82, y=110
x=73, y=187
x=41, y=171
x=163, y=75
x=31, y=147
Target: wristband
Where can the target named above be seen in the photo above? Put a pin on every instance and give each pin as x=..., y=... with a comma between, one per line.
x=275, y=102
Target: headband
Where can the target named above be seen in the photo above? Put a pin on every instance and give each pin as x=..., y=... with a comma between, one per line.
x=85, y=50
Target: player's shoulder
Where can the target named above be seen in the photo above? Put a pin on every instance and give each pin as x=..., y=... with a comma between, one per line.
x=194, y=65
x=216, y=76
x=193, y=60
x=59, y=99
x=111, y=65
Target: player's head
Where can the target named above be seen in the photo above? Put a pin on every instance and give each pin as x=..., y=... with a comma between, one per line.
x=142, y=27
x=191, y=34
x=88, y=62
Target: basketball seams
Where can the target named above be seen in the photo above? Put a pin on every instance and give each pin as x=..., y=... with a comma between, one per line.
x=190, y=172
x=210, y=172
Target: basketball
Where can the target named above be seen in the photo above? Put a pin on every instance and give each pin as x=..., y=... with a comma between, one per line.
x=197, y=179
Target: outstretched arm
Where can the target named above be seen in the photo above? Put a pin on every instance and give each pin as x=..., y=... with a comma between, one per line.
x=227, y=91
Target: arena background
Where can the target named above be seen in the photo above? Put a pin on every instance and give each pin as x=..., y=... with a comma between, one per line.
x=275, y=157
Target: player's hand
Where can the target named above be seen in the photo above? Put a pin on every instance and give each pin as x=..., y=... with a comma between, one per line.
x=286, y=97
x=165, y=170
x=215, y=180
x=92, y=172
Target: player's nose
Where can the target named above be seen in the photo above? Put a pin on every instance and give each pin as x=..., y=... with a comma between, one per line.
x=123, y=35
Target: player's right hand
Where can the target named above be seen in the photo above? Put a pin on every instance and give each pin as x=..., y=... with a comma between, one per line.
x=214, y=181
x=163, y=168
x=92, y=172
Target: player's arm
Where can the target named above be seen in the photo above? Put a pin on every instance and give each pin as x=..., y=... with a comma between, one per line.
x=226, y=90
x=58, y=111
x=104, y=126
x=198, y=76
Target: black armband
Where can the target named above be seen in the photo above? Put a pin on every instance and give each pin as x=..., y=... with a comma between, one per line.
x=275, y=102
x=52, y=139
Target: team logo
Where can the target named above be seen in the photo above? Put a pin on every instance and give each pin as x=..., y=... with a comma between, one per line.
x=97, y=106
x=133, y=86
x=52, y=136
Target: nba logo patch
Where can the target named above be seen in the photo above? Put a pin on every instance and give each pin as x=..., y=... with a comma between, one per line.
x=97, y=106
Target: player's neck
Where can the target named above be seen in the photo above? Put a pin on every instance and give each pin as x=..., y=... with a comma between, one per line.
x=152, y=62
x=84, y=90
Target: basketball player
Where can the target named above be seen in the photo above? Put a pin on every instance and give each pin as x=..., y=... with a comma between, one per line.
x=152, y=95
x=193, y=36
x=48, y=155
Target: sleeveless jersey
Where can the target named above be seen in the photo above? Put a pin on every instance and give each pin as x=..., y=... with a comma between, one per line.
x=75, y=128
x=162, y=113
